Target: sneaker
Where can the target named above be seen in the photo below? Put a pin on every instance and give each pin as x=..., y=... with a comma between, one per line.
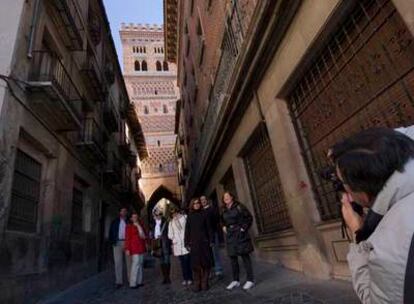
x=248, y=285
x=189, y=282
x=184, y=283
x=233, y=285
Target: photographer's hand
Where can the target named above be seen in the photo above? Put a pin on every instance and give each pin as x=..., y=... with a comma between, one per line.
x=352, y=219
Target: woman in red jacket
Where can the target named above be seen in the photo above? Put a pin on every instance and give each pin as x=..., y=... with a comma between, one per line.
x=135, y=248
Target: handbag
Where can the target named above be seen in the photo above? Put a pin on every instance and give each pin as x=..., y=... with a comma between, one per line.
x=156, y=248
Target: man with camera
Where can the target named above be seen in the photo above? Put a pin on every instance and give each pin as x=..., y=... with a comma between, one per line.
x=376, y=168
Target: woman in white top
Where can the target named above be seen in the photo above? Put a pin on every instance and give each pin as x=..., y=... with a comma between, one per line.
x=176, y=232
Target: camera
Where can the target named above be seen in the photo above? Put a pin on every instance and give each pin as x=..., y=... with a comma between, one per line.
x=329, y=174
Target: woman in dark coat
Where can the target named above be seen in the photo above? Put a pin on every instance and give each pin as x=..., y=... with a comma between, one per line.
x=198, y=240
x=237, y=221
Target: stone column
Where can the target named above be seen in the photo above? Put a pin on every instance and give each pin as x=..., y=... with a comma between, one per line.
x=243, y=189
x=406, y=10
x=297, y=189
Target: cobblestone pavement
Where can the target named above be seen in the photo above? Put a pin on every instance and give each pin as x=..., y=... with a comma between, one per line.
x=274, y=285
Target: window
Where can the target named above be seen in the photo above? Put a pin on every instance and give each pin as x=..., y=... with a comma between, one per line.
x=77, y=211
x=145, y=49
x=144, y=65
x=160, y=168
x=137, y=67
x=158, y=66
x=191, y=6
x=133, y=49
x=158, y=143
x=155, y=92
x=155, y=50
x=165, y=109
x=25, y=193
x=146, y=111
x=165, y=65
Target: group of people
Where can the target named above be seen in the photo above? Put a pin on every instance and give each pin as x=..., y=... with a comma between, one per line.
x=194, y=237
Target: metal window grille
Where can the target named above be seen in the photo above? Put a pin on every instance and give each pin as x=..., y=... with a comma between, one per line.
x=364, y=77
x=268, y=197
x=77, y=211
x=25, y=193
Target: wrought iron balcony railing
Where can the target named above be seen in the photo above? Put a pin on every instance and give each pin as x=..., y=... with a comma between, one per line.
x=54, y=94
x=111, y=115
x=233, y=39
x=72, y=21
x=94, y=77
x=91, y=139
x=113, y=171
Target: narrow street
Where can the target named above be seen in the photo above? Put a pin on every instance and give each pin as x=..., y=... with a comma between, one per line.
x=275, y=284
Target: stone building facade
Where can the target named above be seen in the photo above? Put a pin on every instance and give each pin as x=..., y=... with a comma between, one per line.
x=152, y=86
x=266, y=88
x=70, y=145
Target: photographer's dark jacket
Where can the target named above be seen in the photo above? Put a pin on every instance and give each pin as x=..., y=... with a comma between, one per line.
x=237, y=221
x=114, y=231
x=382, y=267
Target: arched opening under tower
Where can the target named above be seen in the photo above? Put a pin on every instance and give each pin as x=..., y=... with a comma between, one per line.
x=161, y=198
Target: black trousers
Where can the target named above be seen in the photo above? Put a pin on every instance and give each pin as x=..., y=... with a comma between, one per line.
x=247, y=266
x=185, y=261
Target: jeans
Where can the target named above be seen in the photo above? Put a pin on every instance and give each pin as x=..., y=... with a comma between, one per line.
x=185, y=261
x=136, y=269
x=218, y=268
x=247, y=266
x=165, y=257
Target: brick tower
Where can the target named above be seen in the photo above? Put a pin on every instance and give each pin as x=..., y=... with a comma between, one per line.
x=151, y=84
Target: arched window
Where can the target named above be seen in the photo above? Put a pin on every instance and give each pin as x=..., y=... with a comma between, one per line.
x=137, y=67
x=158, y=65
x=158, y=143
x=155, y=92
x=165, y=109
x=160, y=168
x=146, y=111
x=133, y=49
x=155, y=50
x=162, y=50
x=144, y=65
x=165, y=65
x=145, y=49
x=140, y=49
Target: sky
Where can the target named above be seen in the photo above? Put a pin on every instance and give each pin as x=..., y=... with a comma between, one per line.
x=135, y=11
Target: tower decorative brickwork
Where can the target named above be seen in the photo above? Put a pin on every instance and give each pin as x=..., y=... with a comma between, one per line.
x=151, y=84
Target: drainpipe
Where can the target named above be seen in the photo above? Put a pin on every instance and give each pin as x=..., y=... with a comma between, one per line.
x=33, y=28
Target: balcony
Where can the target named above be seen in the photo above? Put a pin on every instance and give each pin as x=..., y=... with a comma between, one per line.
x=71, y=19
x=53, y=93
x=110, y=115
x=133, y=159
x=113, y=171
x=93, y=76
x=91, y=140
x=123, y=145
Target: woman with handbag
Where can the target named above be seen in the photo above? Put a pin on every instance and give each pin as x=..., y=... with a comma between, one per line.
x=135, y=237
x=237, y=221
x=198, y=240
x=161, y=245
x=176, y=233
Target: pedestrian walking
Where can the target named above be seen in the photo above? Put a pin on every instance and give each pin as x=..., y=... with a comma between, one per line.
x=198, y=240
x=176, y=233
x=117, y=233
x=213, y=215
x=135, y=248
x=161, y=245
x=237, y=221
